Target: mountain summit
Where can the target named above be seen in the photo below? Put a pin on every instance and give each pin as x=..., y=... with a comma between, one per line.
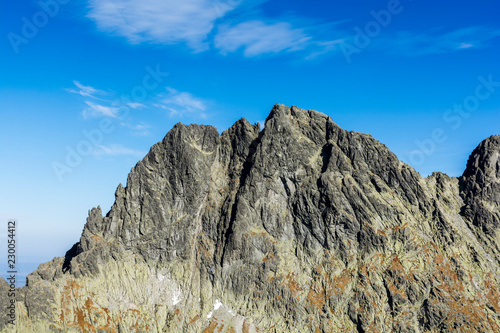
x=298, y=227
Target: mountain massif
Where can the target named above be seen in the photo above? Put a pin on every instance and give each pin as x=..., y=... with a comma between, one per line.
x=298, y=227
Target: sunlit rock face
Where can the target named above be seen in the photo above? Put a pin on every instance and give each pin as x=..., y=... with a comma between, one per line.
x=297, y=227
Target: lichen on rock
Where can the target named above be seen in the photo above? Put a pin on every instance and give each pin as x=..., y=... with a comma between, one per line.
x=298, y=227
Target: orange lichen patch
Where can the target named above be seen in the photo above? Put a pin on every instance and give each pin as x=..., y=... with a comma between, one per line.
x=399, y=227
x=134, y=314
x=396, y=267
x=246, y=327
x=317, y=330
x=493, y=324
x=395, y=291
x=254, y=233
x=466, y=312
x=434, y=245
x=363, y=269
x=211, y=327
x=82, y=323
x=270, y=255
x=491, y=293
x=372, y=328
x=339, y=283
x=470, y=314
x=316, y=297
x=71, y=292
x=438, y=259
x=262, y=234
x=194, y=319
x=446, y=277
x=81, y=317
x=89, y=303
x=274, y=277
x=98, y=239
x=396, y=264
x=109, y=327
x=73, y=288
x=292, y=284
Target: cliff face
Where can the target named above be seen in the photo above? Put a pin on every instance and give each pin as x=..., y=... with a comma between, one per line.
x=300, y=227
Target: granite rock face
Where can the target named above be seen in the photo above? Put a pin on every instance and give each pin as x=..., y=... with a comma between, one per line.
x=299, y=227
x=481, y=186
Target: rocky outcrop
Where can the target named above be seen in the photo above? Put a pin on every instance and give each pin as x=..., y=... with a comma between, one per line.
x=299, y=227
x=481, y=186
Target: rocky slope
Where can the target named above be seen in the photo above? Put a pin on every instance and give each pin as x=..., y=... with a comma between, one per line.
x=299, y=227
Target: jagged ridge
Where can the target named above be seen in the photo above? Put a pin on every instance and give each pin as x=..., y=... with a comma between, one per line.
x=300, y=227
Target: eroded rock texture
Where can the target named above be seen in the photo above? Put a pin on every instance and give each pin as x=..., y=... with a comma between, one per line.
x=299, y=227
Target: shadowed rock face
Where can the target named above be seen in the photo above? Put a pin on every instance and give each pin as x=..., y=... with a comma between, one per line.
x=300, y=227
x=481, y=186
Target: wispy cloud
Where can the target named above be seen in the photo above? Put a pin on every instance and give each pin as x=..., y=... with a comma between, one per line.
x=182, y=103
x=197, y=23
x=97, y=110
x=111, y=108
x=86, y=91
x=258, y=37
x=116, y=150
x=437, y=42
x=160, y=21
x=324, y=48
x=140, y=129
x=177, y=103
x=135, y=105
x=465, y=46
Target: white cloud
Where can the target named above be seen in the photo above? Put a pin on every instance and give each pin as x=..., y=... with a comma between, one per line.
x=181, y=103
x=140, y=129
x=258, y=37
x=197, y=23
x=324, y=47
x=134, y=105
x=437, y=42
x=193, y=21
x=465, y=45
x=116, y=150
x=86, y=91
x=97, y=110
x=160, y=21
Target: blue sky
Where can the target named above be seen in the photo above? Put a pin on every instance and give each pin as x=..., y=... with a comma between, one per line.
x=86, y=87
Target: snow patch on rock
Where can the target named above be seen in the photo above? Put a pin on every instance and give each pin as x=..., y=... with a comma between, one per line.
x=217, y=305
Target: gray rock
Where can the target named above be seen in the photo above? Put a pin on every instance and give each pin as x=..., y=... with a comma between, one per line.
x=298, y=227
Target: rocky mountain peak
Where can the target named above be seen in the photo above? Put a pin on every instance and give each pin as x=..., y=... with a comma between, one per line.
x=297, y=227
x=480, y=185
x=483, y=170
